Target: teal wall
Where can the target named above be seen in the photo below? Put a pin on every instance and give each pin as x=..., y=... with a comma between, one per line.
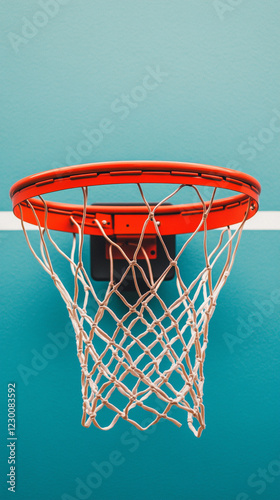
x=215, y=100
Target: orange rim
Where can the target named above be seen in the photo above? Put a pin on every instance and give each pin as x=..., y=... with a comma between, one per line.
x=129, y=219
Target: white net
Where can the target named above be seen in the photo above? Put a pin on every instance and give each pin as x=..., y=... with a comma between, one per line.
x=142, y=353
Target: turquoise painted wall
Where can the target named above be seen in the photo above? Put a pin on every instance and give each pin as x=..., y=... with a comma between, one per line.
x=71, y=70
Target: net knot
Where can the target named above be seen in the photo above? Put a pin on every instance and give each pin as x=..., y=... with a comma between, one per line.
x=196, y=409
x=153, y=387
x=179, y=398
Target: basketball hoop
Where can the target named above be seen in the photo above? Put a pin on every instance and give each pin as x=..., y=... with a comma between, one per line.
x=151, y=349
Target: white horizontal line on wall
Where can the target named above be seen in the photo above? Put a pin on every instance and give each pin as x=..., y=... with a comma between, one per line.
x=262, y=221
x=9, y=222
